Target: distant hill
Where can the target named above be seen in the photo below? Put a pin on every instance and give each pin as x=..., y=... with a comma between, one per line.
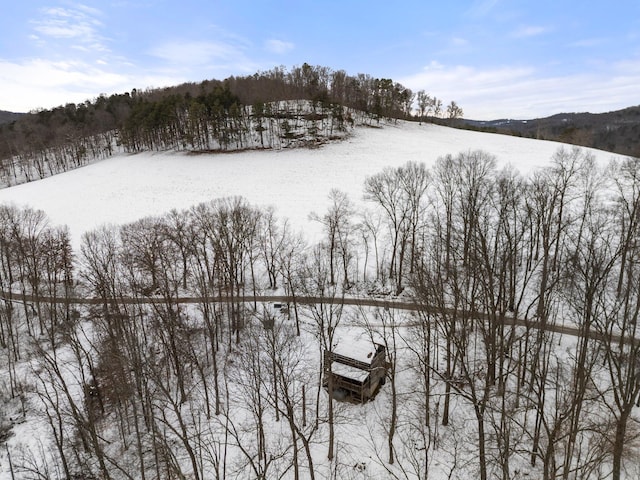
x=305, y=106
x=6, y=117
x=617, y=131
x=146, y=119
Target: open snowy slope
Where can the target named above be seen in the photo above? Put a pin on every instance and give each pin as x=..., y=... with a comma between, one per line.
x=127, y=187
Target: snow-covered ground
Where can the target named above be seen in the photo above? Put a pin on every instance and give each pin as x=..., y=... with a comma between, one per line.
x=127, y=187
x=124, y=188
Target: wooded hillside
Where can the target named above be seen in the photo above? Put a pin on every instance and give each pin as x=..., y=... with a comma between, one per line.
x=272, y=109
x=617, y=131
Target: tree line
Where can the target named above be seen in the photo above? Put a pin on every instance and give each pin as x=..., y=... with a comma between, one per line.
x=271, y=109
x=234, y=389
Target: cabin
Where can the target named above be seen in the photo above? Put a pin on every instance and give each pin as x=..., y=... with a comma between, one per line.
x=357, y=367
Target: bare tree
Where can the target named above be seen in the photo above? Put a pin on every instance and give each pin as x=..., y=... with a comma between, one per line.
x=618, y=322
x=291, y=260
x=382, y=326
x=425, y=104
x=287, y=393
x=338, y=226
x=247, y=412
x=454, y=111
x=271, y=241
x=399, y=193
x=325, y=314
x=369, y=228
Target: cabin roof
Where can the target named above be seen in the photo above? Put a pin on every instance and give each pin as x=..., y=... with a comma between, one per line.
x=357, y=347
x=347, y=371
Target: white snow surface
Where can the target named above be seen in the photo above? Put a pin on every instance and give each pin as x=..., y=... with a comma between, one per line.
x=124, y=188
x=356, y=346
x=347, y=371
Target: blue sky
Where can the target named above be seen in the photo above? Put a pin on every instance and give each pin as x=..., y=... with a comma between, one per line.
x=495, y=58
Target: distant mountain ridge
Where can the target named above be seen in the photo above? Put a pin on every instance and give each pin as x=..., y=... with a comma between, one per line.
x=617, y=131
x=7, y=117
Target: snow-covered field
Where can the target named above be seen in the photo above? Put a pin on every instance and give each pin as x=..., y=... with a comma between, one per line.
x=127, y=187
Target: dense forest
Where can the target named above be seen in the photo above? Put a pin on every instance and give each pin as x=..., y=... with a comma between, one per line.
x=141, y=383
x=275, y=109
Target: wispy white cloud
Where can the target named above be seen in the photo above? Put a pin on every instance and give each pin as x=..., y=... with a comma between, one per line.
x=94, y=12
x=77, y=24
x=527, y=31
x=46, y=82
x=459, y=42
x=278, y=46
x=194, y=53
x=228, y=55
x=481, y=8
x=526, y=92
x=449, y=79
x=40, y=83
x=587, y=43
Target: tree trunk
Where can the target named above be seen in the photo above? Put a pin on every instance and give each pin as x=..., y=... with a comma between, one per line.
x=618, y=445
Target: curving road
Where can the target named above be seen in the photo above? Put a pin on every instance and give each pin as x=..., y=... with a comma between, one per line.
x=305, y=300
